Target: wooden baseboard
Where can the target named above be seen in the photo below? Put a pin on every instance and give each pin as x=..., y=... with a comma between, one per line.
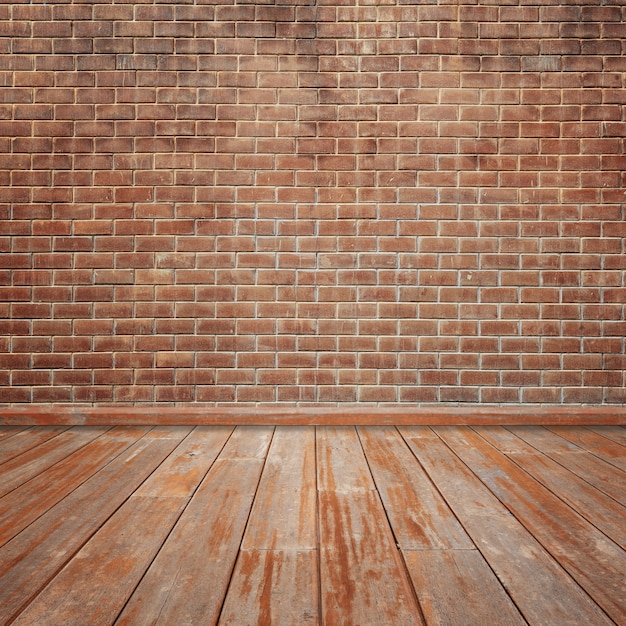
x=432, y=415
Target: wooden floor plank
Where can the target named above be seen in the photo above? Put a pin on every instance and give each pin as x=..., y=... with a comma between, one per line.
x=362, y=577
x=187, y=581
x=419, y=516
x=602, y=447
x=313, y=525
x=275, y=580
x=363, y=580
x=545, y=440
x=615, y=433
x=100, y=577
x=284, y=515
x=24, y=505
x=32, y=558
x=181, y=473
x=540, y=588
x=596, y=507
x=29, y=464
x=93, y=580
x=248, y=442
x=341, y=464
x=593, y=560
x=26, y=440
x=596, y=471
x=9, y=431
x=458, y=588
x=273, y=587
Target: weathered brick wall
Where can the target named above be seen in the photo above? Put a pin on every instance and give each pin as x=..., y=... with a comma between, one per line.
x=386, y=201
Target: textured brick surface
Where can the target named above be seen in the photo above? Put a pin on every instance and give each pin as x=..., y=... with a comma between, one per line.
x=310, y=201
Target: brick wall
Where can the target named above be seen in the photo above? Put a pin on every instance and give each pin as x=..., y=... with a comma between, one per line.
x=390, y=201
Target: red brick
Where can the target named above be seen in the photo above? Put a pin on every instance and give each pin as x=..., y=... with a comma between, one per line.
x=133, y=393
x=30, y=377
x=179, y=393
x=282, y=180
x=459, y=394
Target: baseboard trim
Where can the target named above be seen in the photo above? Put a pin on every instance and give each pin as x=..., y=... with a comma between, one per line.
x=436, y=415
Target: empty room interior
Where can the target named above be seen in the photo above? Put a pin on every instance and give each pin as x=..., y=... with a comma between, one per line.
x=312, y=312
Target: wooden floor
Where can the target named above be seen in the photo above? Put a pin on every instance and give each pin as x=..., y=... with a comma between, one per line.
x=285, y=525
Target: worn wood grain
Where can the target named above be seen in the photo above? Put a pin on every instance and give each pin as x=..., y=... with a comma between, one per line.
x=248, y=442
x=419, y=516
x=363, y=580
x=9, y=431
x=602, y=511
x=187, y=581
x=610, y=451
x=615, y=433
x=34, y=461
x=592, y=559
x=24, y=505
x=307, y=416
x=544, y=439
x=458, y=588
x=177, y=433
x=181, y=473
x=99, y=578
x=284, y=525
x=33, y=557
x=341, y=464
x=605, y=477
x=26, y=440
x=540, y=588
x=284, y=513
x=505, y=440
x=273, y=587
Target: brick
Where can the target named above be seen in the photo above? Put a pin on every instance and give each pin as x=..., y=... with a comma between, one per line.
x=302, y=189
x=30, y=377
x=459, y=394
